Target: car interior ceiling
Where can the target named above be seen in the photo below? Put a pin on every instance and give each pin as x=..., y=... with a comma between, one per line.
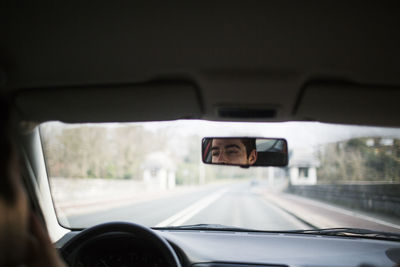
x=275, y=61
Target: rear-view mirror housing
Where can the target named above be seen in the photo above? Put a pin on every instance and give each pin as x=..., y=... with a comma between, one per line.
x=245, y=151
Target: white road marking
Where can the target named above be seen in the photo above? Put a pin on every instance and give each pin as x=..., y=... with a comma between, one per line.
x=186, y=214
x=293, y=220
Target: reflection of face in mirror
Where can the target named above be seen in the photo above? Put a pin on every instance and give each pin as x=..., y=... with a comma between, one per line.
x=237, y=151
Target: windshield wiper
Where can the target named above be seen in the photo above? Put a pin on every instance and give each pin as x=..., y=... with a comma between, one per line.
x=205, y=226
x=351, y=232
x=345, y=232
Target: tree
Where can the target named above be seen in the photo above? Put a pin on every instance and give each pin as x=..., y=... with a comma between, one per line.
x=354, y=160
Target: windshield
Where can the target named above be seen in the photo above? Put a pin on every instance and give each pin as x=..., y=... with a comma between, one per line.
x=152, y=173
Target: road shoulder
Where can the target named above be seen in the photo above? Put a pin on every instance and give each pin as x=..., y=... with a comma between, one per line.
x=322, y=215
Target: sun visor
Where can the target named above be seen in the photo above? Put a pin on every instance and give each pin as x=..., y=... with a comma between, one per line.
x=350, y=104
x=143, y=102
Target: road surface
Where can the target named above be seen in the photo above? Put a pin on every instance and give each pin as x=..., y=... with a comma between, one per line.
x=239, y=205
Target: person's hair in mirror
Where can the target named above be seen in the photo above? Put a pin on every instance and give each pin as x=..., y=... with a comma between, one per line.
x=234, y=151
x=23, y=240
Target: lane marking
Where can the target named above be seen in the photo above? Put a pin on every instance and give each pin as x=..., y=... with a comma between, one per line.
x=292, y=219
x=186, y=214
x=350, y=213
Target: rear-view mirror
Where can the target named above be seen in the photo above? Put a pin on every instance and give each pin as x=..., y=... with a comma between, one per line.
x=245, y=151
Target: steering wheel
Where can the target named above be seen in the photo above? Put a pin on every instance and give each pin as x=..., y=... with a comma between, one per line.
x=75, y=244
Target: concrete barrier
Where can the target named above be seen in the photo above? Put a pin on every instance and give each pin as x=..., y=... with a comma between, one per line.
x=381, y=198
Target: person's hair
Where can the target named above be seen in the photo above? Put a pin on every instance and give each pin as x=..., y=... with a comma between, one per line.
x=7, y=191
x=249, y=143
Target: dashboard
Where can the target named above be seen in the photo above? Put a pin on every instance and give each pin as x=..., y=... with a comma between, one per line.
x=237, y=249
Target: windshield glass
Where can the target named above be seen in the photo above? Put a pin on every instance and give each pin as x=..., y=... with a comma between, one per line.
x=152, y=173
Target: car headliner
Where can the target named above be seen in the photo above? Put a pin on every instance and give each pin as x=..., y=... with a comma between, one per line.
x=332, y=61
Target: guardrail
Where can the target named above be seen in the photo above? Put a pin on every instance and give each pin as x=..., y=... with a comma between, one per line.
x=381, y=198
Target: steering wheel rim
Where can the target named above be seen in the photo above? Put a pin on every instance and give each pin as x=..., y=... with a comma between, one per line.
x=73, y=246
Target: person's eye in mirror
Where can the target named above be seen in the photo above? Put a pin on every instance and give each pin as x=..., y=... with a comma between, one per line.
x=232, y=152
x=215, y=153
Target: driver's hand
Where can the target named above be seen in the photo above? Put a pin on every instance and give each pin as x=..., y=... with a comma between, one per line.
x=40, y=250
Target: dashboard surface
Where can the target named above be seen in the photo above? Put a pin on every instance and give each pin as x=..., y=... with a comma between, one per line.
x=227, y=248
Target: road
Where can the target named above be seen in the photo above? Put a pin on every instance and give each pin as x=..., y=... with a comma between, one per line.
x=240, y=205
